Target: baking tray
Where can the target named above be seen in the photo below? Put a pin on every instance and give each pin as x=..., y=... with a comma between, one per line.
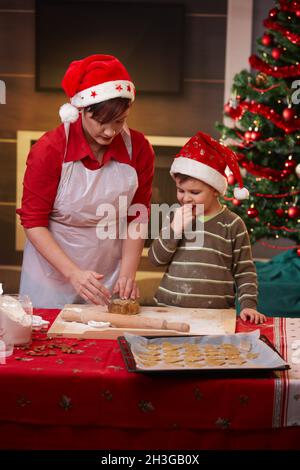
x=217, y=371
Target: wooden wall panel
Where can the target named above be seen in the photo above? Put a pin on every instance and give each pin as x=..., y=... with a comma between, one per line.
x=26, y=109
x=198, y=108
x=17, y=4
x=17, y=43
x=8, y=255
x=192, y=6
x=205, y=47
x=7, y=172
x=214, y=7
x=197, y=6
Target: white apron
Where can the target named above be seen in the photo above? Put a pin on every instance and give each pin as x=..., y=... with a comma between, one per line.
x=73, y=224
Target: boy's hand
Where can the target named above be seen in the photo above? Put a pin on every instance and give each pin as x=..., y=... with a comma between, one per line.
x=183, y=217
x=253, y=315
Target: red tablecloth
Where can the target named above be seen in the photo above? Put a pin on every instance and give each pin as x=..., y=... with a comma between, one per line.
x=81, y=396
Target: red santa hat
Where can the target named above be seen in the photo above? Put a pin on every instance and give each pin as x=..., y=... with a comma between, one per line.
x=203, y=158
x=92, y=80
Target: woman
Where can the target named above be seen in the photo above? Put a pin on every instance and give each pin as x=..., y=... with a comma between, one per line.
x=72, y=171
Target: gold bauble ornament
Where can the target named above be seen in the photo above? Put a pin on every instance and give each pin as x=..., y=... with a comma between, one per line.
x=261, y=79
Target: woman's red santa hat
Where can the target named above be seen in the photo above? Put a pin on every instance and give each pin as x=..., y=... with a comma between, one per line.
x=92, y=80
x=205, y=159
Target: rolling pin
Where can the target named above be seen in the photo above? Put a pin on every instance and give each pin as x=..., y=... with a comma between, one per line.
x=124, y=321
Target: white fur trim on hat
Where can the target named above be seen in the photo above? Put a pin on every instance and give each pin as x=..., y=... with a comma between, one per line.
x=68, y=113
x=241, y=193
x=104, y=91
x=200, y=171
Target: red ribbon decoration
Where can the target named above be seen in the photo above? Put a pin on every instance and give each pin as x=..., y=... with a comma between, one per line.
x=278, y=196
x=266, y=112
x=278, y=72
x=282, y=227
x=269, y=196
x=246, y=146
x=292, y=37
x=261, y=90
x=276, y=247
x=263, y=172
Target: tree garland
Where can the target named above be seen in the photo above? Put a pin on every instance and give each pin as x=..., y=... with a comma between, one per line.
x=278, y=72
x=292, y=37
x=265, y=111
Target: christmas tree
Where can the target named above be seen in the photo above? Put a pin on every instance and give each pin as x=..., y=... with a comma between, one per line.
x=264, y=130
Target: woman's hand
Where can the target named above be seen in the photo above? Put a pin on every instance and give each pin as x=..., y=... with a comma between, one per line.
x=253, y=315
x=127, y=288
x=183, y=217
x=87, y=284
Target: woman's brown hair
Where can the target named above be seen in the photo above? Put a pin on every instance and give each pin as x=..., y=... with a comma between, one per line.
x=109, y=110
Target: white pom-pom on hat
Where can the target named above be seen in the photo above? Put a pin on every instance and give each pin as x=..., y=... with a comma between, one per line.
x=68, y=113
x=241, y=193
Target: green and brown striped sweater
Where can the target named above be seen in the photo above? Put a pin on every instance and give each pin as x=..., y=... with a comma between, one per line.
x=208, y=276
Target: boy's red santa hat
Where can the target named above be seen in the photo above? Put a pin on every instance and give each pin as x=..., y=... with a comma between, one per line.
x=92, y=80
x=205, y=159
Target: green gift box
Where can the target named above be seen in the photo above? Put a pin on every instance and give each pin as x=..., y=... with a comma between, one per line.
x=279, y=285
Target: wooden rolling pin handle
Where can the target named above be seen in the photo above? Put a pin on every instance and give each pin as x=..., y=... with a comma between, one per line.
x=177, y=326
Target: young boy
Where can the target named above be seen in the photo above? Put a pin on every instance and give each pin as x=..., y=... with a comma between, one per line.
x=207, y=275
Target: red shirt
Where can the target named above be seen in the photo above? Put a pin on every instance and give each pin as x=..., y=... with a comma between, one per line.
x=44, y=164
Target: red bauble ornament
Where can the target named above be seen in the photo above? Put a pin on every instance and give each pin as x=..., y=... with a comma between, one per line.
x=247, y=135
x=266, y=40
x=227, y=108
x=280, y=212
x=293, y=212
x=236, y=202
x=298, y=251
x=231, y=179
x=286, y=172
x=288, y=114
x=297, y=13
x=252, y=212
x=241, y=156
x=276, y=53
x=255, y=135
x=290, y=164
x=273, y=13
